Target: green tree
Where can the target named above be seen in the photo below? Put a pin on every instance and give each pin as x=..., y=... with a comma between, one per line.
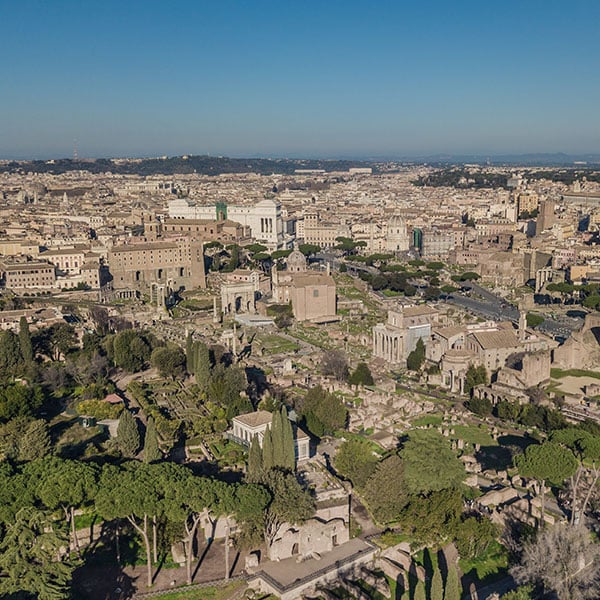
x=475, y=376
x=480, y=406
x=189, y=353
x=62, y=339
x=548, y=462
x=131, y=351
x=234, y=258
x=35, y=442
x=267, y=450
x=419, y=592
x=15, y=492
x=10, y=354
x=586, y=447
x=277, y=438
x=309, y=249
x=251, y=502
x=11, y=434
x=186, y=499
x=355, y=461
x=134, y=492
x=385, y=492
x=430, y=464
x=523, y=592
x=452, y=589
x=323, y=412
x=25, y=343
x=152, y=452
x=201, y=369
x=508, y=411
x=128, y=435
x=361, y=375
x=437, y=586
x=533, y=320
x=290, y=503
x=30, y=560
x=19, y=400
x=255, y=460
x=592, y=301
x=473, y=536
x=433, y=519
x=225, y=388
x=289, y=446
x=64, y=484
x=169, y=362
x=416, y=358
x=282, y=437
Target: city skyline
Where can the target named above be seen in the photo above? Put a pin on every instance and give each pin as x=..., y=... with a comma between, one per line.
x=304, y=80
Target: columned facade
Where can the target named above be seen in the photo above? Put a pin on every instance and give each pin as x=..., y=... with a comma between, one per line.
x=388, y=344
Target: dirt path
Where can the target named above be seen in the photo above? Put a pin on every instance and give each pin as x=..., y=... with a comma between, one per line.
x=108, y=582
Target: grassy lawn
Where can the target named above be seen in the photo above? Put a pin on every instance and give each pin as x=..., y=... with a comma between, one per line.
x=474, y=435
x=73, y=439
x=228, y=453
x=426, y=420
x=490, y=565
x=207, y=593
x=275, y=344
x=349, y=435
x=197, y=304
x=391, y=538
x=559, y=373
x=86, y=520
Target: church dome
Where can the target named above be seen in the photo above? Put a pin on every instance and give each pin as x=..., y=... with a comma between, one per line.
x=296, y=261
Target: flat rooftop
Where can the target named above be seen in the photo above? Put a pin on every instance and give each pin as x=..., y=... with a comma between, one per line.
x=285, y=573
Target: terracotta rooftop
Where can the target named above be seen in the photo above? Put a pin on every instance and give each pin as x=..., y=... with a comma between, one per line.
x=304, y=279
x=113, y=399
x=496, y=339
x=448, y=332
x=421, y=309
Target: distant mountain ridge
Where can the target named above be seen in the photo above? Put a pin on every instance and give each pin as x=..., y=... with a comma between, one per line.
x=218, y=165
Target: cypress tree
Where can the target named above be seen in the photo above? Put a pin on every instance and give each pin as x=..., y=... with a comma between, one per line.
x=437, y=586
x=25, y=340
x=128, y=436
x=152, y=452
x=289, y=451
x=255, y=460
x=277, y=439
x=452, y=589
x=419, y=593
x=267, y=450
x=189, y=354
x=202, y=366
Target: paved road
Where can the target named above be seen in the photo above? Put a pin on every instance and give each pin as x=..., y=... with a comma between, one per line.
x=488, y=305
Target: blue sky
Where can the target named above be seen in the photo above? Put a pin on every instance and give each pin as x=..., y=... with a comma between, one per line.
x=289, y=78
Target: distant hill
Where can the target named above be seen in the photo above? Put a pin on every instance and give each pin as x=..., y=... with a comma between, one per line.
x=557, y=159
x=204, y=165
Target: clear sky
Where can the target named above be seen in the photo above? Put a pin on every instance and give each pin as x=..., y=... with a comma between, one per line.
x=298, y=78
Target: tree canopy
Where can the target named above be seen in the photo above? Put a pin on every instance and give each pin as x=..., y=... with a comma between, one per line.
x=429, y=463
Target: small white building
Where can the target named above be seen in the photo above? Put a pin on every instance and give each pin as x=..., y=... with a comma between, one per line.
x=245, y=427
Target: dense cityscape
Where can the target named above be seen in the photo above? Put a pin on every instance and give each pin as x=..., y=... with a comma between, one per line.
x=299, y=300
x=371, y=383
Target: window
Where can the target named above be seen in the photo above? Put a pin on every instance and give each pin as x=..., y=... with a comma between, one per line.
x=315, y=293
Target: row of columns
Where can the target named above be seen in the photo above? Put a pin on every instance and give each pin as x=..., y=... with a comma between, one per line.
x=266, y=225
x=388, y=346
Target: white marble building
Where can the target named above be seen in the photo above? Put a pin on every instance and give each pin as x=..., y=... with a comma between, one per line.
x=264, y=218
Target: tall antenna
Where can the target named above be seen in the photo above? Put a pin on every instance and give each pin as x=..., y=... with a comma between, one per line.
x=75, y=155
